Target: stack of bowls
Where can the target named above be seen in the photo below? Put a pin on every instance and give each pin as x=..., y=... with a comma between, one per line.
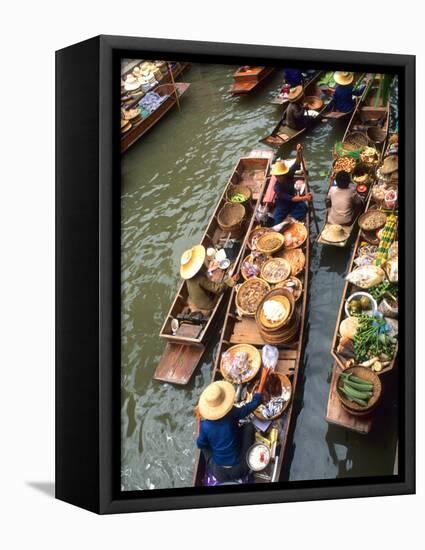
x=285, y=330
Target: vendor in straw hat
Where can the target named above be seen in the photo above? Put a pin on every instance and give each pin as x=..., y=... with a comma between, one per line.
x=342, y=99
x=223, y=443
x=295, y=113
x=202, y=291
x=288, y=201
x=343, y=202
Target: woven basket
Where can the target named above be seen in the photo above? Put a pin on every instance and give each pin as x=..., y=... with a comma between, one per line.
x=254, y=357
x=267, y=245
x=298, y=286
x=244, y=286
x=275, y=329
x=370, y=376
x=314, y=102
x=241, y=189
x=376, y=135
x=255, y=232
x=286, y=383
x=354, y=140
x=231, y=217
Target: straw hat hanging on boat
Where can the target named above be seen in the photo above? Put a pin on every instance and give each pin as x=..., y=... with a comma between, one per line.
x=191, y=261
x=217, y=400
x=280, y=168
x=343, y=78
x=389, y=165
x=334, y=233
x=295, y=94
x=131, y=83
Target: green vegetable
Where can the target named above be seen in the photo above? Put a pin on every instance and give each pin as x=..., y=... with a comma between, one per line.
x=356, y=379
x=351, y=392
x=379, y=291
x=370, y=339
x=356, y=386
x=357, y=400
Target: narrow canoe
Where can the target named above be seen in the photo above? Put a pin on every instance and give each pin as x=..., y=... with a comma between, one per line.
x=283, y=134
x=364, y=116
x=237, y=330
x=145, y=124
x=247, y=80
x=185, y=348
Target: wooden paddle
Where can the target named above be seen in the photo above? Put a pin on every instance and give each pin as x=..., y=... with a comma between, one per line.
x=313, y=210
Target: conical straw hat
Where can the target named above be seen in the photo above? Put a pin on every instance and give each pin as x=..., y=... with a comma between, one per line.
x=217, y=400
x=343, y=78
x=191, y=261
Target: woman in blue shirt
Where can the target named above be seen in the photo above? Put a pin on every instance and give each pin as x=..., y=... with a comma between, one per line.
x=288, y=201
x=342, y=99
x=223, y=443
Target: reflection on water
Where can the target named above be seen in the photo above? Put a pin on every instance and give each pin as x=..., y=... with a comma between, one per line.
x=171, y=180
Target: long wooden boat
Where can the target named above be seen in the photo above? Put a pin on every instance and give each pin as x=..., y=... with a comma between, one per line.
x=283, y=134
x=365, y=116
x=238, y=330
x=186, y=346
x=249, y=78
x=170, y=92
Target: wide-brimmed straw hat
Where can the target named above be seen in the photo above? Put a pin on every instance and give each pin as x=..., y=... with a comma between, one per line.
x=131, y=83
x=343, y=78
x=216, y=400
x=191, y=261
x=389, y=165
x=334, y=233
x=279, y=168
x=295, y=93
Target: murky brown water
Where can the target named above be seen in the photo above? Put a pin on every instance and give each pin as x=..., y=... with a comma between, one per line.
x=171, y=180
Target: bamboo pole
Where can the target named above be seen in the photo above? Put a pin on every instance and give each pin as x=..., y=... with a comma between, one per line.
x=174, y=85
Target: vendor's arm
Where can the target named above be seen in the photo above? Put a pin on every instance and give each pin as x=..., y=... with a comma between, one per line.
x=245, y=410
x=216, y=288
x=202, y=441
x=359, y=91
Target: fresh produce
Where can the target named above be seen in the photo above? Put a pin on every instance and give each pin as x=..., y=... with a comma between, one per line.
x=356, y=389
x=387, y=237
x=366, y=276
x=371, y=339
x=379, y=291
x=238, y=197
x=344, y=163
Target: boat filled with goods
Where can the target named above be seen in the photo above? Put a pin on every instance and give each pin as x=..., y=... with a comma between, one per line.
x=359, y=155
x=186, y=330
x=148, y=91
x=262, y=339
x=365, y=343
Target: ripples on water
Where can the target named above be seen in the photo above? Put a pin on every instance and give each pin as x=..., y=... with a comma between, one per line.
x=171, y=181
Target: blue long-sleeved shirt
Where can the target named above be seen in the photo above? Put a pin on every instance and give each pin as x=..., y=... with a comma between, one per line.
x=342, y=99
x=222, y=436
x=293, y=77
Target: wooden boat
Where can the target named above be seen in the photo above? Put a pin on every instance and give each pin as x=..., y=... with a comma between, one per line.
x=185, y=347
x=140, y=128
x=364, y=117
x=248, y=78
x=237, y=330
x=134, y=97
x=283, y=134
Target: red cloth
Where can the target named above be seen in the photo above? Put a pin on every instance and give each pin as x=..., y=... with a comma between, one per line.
x=270, y=195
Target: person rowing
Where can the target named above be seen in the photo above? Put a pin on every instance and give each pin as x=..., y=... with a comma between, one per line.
x=222, y=441
x=295, y=116
x=342, y=99
x=291, y=201
x=202, y=292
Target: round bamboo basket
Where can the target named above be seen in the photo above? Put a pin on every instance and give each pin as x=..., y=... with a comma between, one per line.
x=285, y=265
x=313, y=102
x=231, y=217
x=239, y=189
x=370, y=376
x=355, y=140
x=286, y=384
x=244, y=288
x=254, y=358
x=283, y=331
x=271, y=242
x=298, y=286
x=255, y=232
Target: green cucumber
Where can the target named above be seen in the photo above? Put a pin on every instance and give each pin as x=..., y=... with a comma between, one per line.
x=357, y=379
x=360, y=402
x=350, y=392
x=357, y=386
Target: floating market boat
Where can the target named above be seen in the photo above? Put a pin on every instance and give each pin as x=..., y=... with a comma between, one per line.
x=130, y=99
x=170, y=93
x=367, y=121
x=282, y=99
x=343, y=349
x=188, y=341
x=341, y=115
x=283, y=134
x=249, y=78
x=243, y=330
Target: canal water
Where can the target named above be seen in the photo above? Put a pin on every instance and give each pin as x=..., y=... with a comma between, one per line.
x=171, y=181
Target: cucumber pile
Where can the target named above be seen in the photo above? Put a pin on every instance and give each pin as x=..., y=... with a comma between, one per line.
x=356, y=389
x=239, y=197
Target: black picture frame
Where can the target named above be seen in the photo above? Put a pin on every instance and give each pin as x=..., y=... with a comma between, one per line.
x=88, y=276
